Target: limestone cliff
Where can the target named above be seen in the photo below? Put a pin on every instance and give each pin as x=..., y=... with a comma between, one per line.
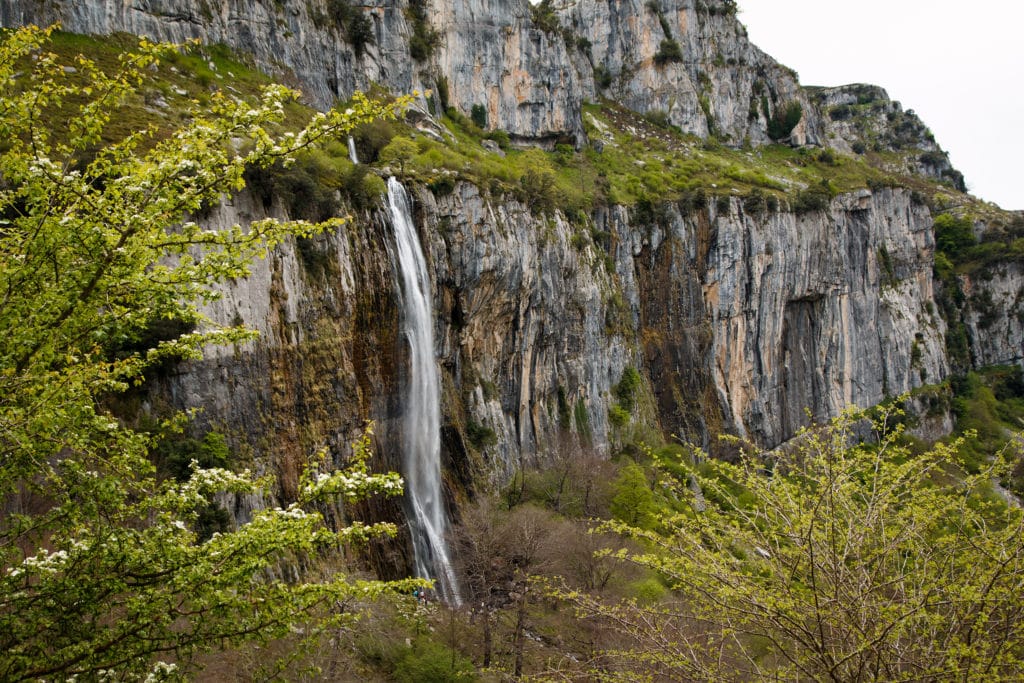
x=529, y=68
x=739, y=317
x=737, y=321
x=481, y=52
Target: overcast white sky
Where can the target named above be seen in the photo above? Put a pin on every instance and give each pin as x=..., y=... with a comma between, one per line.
x=958, y=65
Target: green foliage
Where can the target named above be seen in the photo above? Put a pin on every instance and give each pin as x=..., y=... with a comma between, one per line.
x=785, y=120
x=602, y=77
x=501, y=137
x=618, y=416
x=544, y=17
x=106, y=572
x=176, y=455
x=659, y=118
x=628, y=387
x=371, y=137
x=478, y=114
x=363, y=188
x=988, y=404
x=832, y=559
x=424, y=38
x=480, y=435
x=632, y=499
x=305, y=186
x=668, y=51
x=428, y=661
x=953, y=235
x=442, y=186
x=814, y=198
x=581, y=418
x=357, y=26
x=538, y=188
x=400, y=150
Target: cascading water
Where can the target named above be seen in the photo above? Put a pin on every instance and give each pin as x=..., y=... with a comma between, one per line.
x=352, y=156
x=422, y=419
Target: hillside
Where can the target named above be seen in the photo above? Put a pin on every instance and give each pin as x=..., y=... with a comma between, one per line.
x=637, y=231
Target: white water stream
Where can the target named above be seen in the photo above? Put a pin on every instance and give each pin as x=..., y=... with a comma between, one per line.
x=352, y=156
x=422, y=419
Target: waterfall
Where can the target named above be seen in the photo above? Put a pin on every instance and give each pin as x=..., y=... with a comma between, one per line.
x=421, y=423
x=352, y=156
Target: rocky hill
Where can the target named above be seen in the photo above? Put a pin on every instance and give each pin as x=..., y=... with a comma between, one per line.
x=757, y=253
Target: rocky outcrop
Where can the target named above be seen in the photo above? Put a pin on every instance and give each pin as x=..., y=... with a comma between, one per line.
x=493, y=56
x=739, y=322
x=298, y=41
x=789, y=314
x=527, y=69
x=859, y=118
x=487, y=51
x=690, y=60
x=995, y=314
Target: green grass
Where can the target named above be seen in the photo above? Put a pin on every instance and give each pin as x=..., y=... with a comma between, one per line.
x=642, y=162
x=167, y=93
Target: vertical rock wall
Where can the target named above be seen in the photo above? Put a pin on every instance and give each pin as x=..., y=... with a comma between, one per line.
x=738, y=322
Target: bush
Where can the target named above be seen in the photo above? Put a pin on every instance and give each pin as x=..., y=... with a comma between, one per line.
x=544, y=17
x=357, y=26
x=359, y=32
x=602, y=77
x=175, y=456
x=785, y=120
x=430, y=662
x=756, y=202
x=928, y=570
x=628, y=387
x=306, y=187
x=362, y=188
x=840, y=112
x=480, y=435
x=499, y=136
x=442, y=186
x=371, y=138
x=424, y=38
x=399, y=151
x=478, y=114
x=659, y=118
x=668, y=51
x=814, y=198
x=633, y=501
x=538, y=189
x=953, y=235
x=618, y=416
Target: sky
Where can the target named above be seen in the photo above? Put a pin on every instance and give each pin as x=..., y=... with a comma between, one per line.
x=958, y=65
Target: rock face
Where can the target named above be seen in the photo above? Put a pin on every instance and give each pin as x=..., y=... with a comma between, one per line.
x=492, y=56
x=995, y=314
x=286, y=38
x=712, y=81
x=752, y=323
x=738, y=322
x=780, y=315
x=487, y=50
x=858, y=118
x=687, y=60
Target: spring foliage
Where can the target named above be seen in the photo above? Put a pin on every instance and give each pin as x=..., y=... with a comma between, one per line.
x=841, y=560
x=101, y=571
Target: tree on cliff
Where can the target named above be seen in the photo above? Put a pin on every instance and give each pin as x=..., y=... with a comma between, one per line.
x=101, y=571
x=839, y=561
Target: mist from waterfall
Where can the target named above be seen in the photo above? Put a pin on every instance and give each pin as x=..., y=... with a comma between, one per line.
x=421, y=425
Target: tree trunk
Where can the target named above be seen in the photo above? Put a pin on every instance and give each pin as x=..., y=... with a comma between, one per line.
x=517, y=641
x=487, y=637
